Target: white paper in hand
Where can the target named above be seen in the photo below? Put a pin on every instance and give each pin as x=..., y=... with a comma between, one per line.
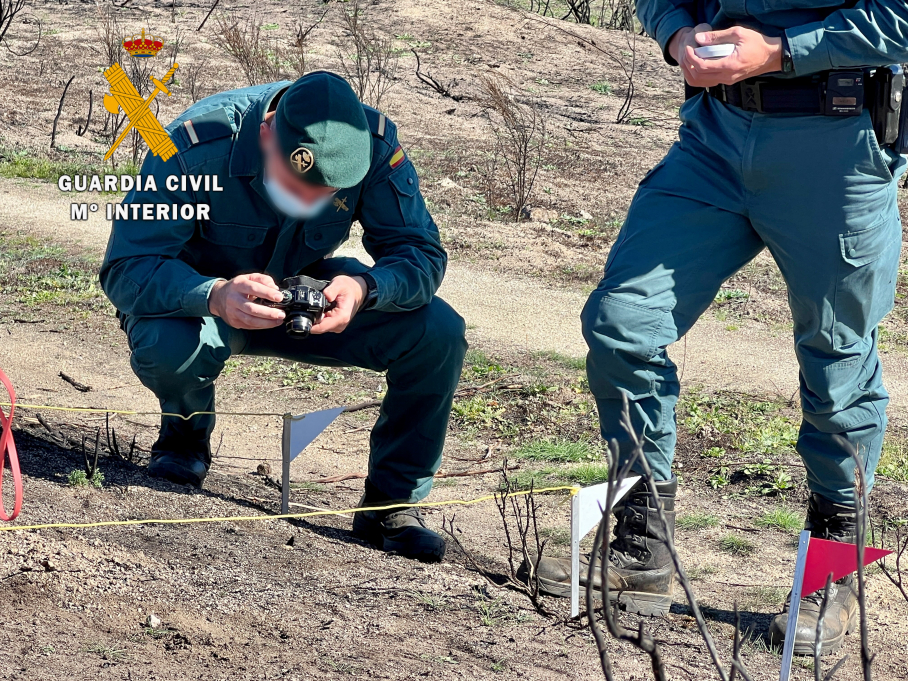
x=714, y=51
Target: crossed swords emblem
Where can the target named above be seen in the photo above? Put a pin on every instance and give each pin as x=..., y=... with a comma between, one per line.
x=124, y=94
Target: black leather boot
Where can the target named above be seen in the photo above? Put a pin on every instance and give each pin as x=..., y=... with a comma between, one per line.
x=641, y=576
x=836, y=522
x=402, y=531
x=180, y=462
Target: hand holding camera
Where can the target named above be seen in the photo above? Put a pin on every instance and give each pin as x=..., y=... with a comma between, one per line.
x=238, y=301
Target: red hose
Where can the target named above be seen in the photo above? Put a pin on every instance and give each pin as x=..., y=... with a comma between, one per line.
x=8, y=451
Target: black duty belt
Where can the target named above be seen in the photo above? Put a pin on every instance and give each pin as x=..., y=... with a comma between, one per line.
x=831, y=93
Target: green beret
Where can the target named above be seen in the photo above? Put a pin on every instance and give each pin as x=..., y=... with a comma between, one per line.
x=322, y=131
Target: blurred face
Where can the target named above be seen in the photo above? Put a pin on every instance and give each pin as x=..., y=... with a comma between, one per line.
x=277, y=170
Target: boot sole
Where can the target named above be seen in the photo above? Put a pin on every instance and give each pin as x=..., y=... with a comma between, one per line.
x=634, y=602
x=806, y=650
x=646, y=604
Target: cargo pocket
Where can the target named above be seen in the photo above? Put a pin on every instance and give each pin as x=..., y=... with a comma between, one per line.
x=865, y=288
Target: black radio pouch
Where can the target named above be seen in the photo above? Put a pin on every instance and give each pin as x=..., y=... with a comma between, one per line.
x=901, y=143
x=887, y=90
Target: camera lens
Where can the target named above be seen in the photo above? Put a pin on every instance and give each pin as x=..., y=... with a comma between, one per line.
x=299, y=325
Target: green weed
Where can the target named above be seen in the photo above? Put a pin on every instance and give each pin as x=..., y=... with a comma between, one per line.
x=587, y=473
x=576, y=363
x=781, y=518
x=602, y=87
x=696, y=521
x=78, y=478
x=753, y=426
x=556, y=536
x=478, y=410
x=737, y=546
x=698, y=572
x=760, y=597
x=477, y=363
x=894, y=460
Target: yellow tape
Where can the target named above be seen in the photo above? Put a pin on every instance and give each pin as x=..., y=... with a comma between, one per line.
x=573, y=489
x=92, y=410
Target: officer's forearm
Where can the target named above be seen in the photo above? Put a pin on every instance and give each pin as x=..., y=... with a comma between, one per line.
x=663, y=19
x=409, y=282
x=872, y=33
x=156, y=287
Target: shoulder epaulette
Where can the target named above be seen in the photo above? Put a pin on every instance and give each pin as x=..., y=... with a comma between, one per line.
x=208, y=126
x=378, y=122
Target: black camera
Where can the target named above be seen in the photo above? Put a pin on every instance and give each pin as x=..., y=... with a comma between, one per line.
x=303, y=303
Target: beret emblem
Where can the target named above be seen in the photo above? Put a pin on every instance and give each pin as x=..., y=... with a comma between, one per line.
x=302, y=160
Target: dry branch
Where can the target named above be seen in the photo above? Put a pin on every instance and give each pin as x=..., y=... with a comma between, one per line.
x=53, y=132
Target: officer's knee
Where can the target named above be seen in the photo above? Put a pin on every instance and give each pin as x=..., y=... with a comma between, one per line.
x=168, y=353
x=835, y=382
x=623, y=337
x=443, y=331
x=612, y=325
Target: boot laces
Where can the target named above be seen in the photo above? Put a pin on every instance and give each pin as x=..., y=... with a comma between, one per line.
x=629, y=544
x=415, y=513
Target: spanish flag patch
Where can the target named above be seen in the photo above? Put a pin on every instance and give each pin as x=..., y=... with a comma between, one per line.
x=398, y=157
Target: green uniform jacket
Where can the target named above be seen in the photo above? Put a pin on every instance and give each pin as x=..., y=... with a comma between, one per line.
x=822, y=34
x=166, y=268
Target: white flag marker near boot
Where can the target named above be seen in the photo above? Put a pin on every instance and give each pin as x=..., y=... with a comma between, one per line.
x=586, y=513
x=299, y=432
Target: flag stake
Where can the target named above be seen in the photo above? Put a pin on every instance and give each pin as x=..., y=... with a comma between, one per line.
x=794, y=607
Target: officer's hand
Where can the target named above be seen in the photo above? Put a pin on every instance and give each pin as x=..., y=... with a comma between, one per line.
x=754, y=55
x=347, y=294
x=231, y=300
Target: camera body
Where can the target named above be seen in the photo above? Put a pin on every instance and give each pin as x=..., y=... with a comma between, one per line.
x=303, y=303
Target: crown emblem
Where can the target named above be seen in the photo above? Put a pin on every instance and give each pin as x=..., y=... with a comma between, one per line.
x=141, y=46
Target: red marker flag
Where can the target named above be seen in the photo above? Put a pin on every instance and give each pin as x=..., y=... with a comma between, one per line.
x=8, y=451
x=824, y=556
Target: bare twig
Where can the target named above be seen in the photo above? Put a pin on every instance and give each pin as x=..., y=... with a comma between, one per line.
x=520, y=136
x=53, y=132
x=91, y=464
x=896, y=573
x=81, y=131
x=443, y=90
x=214, y=4
x=518, y=518
x=860, y=488
x=81, y=387
x=372, y=67
x=368, y=404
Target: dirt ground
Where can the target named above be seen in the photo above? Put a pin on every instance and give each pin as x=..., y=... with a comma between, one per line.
x=303, y=599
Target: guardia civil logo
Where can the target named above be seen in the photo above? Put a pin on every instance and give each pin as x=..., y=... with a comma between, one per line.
x=123, y=94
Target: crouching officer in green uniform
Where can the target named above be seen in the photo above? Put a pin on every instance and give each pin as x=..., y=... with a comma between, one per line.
x=775, y=152
x=297, y=163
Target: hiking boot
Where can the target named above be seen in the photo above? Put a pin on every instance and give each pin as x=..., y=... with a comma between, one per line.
x=402, y=530
x=641, y=574
x=836, y=522
x=179, y=463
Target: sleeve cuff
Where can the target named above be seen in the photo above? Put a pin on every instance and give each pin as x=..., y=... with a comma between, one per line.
x=809, y=49
x=195, y=296
x=384, y=285
x=670, y=24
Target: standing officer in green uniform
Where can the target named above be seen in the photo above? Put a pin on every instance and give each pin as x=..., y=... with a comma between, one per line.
x=297, y=164
x=775, y=153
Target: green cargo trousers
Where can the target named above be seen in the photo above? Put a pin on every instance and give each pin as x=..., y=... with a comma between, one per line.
x=820, y=194
x=179, y=358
